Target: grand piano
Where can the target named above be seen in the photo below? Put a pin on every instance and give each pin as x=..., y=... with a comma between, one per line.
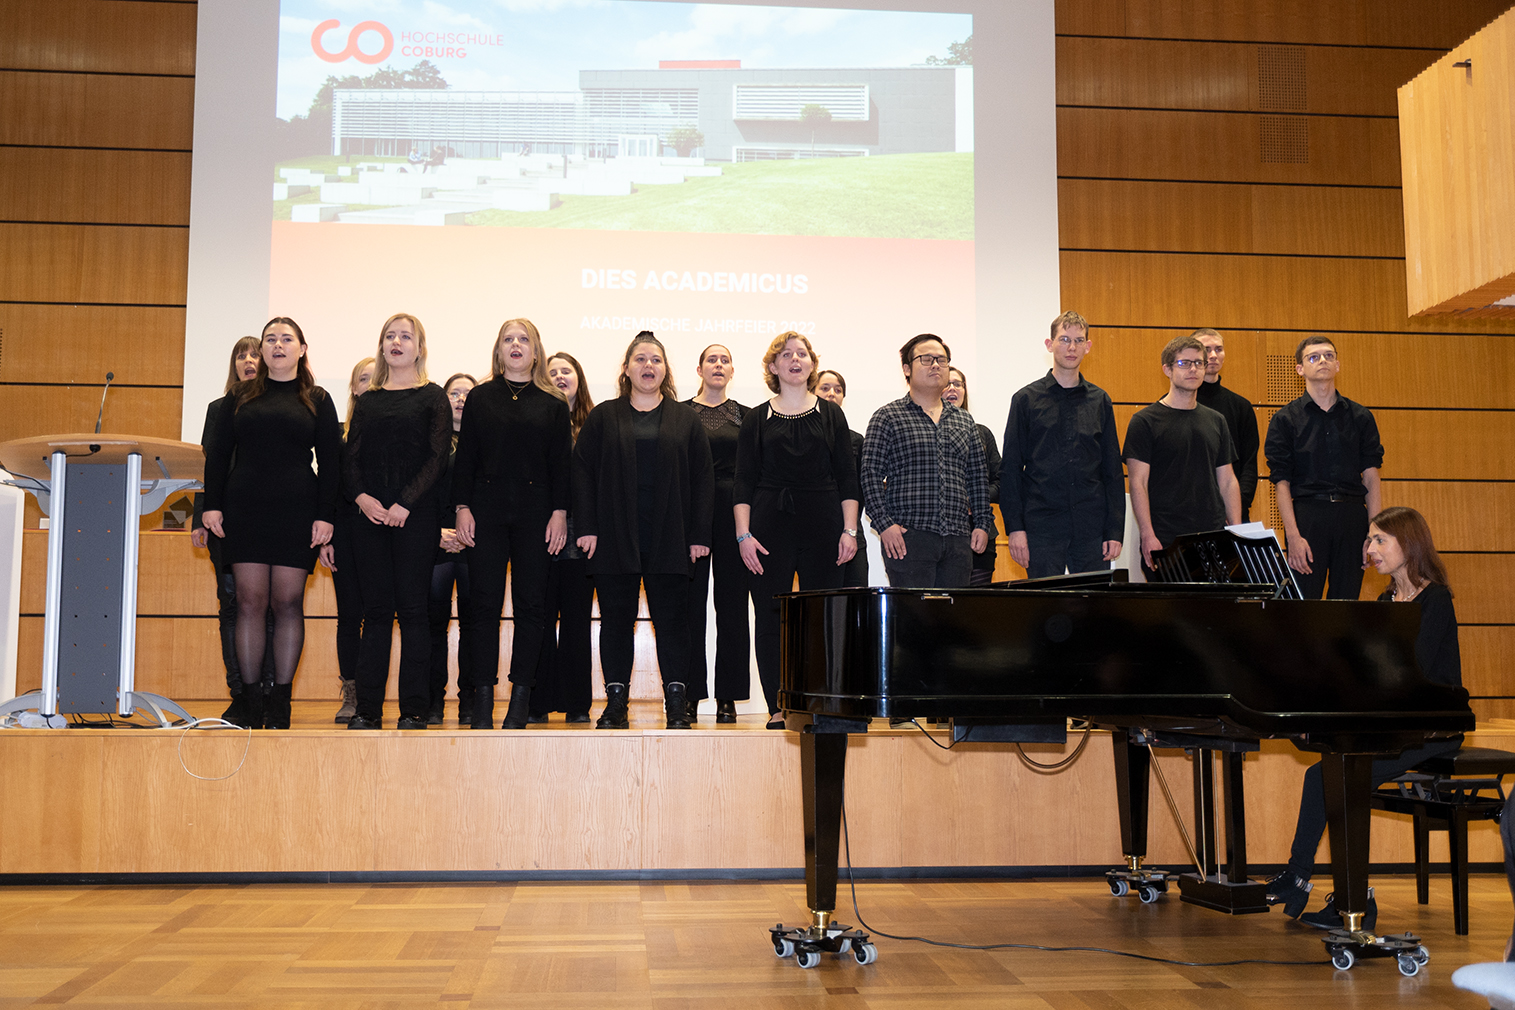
x=1212, y=665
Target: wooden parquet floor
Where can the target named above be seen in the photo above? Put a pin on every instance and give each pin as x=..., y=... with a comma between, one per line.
x=607, y=946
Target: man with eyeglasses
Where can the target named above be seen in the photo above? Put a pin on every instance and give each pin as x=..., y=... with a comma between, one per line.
x=1061, y=490
x=1241, y=418
x=1178, y=455
x=1324, y=454
x=925, y=482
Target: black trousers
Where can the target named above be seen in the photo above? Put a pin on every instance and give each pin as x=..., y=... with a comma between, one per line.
x=1311, y=826
x=508, y=539
x=800, y=543
x=667, y=598
x=444, y=576
x=345, y=585
x=394, y=571
x=1058, y=557
x=733, y=635
x=855, y=572
x=932, y=560
x=1335, y=532
x=564, y=669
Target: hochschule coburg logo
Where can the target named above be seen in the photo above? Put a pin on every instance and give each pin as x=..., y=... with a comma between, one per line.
x=352, y=51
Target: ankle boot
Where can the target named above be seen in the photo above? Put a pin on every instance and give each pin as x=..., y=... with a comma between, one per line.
x=614, y=716
x=483, y=707
x=349, y=701
x=277, y=715
x=519, y=711
x=674, y=705
x=252, y=706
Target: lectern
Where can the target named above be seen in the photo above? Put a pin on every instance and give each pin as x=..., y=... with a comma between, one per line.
x=94, y=488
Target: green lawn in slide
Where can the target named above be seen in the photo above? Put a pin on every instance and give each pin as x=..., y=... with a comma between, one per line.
x=893, y=196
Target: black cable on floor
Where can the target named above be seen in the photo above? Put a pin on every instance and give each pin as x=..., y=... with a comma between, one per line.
x=852, y=883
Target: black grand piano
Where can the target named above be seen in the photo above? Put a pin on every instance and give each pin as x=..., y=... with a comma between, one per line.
x=1227, y=664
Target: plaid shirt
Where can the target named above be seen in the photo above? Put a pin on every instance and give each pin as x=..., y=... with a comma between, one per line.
x=924, y=475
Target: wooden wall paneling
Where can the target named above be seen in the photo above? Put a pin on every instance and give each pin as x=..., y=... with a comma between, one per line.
x=92, y=110
x=119, y=187
x=118, y=264
x=1224, y=218
x=1162, y=144
x=49, y=410
x=87, y=35
x=1394, y=23
x=1180, y=74
x=1447, y=445
x=1090, y=17
x=1488, y=653
x=1463, y=516
x=80, y=343
x=1479, y=581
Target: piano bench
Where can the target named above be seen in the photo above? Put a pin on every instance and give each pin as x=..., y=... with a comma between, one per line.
x=1444, y=794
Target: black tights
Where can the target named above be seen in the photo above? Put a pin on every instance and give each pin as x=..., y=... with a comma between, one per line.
x=261, y=588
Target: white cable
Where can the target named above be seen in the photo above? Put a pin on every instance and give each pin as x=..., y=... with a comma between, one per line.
x=213, y=724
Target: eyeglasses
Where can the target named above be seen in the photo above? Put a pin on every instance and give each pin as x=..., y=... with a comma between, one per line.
x=1189, y=363
x=1071, y=341
x=956, y=384
x=1320, y=356
x=458, y=395
x=932, y=359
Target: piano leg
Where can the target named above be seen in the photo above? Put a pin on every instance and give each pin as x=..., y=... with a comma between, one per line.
x=1347, y=780
x=823, y=771
x=1133, y=783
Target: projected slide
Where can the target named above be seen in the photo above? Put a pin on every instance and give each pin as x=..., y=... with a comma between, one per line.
x=710, y=172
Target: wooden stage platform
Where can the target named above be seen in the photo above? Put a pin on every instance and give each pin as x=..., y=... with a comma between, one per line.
x=319, y=801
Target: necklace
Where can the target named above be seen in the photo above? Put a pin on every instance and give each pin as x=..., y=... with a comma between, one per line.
x=515, y=394
x=1406, y=598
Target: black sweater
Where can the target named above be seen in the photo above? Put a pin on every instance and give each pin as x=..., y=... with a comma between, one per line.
x=1436, y=648
x=605, y=489
x=260, y=453
x=512, y=444
x=397, y=445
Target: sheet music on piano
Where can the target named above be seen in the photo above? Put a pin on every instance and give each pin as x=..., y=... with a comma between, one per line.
x=1248, y=553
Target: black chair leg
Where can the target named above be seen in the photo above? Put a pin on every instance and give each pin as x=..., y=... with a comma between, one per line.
x=1457, y=842
x=1422, y=857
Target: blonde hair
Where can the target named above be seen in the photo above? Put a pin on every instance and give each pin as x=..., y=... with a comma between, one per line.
x=1070, y=319
x=352, y=398
x=538, y=356
x=243, y=345
x=777, y=347
x=381, y=367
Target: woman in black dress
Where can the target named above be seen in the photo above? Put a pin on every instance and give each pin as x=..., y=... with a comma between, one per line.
x=721, y=417
x=1399, y=545
x=449, y=568
x=510, y=486
x=344, y=571
x=397, y=445
x=564, y=680
x=796, y=496
x=242, y=368
x=832, y=385
x=273, y=513
x=956, y=394
x=643, y=489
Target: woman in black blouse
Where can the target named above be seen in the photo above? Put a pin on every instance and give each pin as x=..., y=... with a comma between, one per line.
x=1399, y=546
x=564, y=672
x=272, y=512
x=643, y=488
x=344, y=570
x=956, y=394
x=397, y=445
x=511, y=490
x=832, y=385
x=796, y=496
x=449, y=568
x=721, y=417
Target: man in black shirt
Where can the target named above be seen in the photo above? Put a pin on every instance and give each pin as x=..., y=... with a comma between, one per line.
x=1178, y=454
x=1061, y=490
x=1241, y=419
x=1323, y=456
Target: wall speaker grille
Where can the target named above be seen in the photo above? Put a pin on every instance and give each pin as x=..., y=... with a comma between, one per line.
x=1281, y=81
x=1284, y=140
x=1283, y=383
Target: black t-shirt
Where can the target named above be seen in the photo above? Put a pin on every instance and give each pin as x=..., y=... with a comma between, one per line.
x=645, y=424
x=1184, y=448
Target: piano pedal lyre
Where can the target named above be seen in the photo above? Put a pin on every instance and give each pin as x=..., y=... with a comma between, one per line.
x=1149, y=885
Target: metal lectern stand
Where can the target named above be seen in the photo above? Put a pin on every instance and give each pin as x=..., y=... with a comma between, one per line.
x=93, y=491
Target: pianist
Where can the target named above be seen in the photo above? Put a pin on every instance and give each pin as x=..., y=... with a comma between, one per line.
x=1399, y=546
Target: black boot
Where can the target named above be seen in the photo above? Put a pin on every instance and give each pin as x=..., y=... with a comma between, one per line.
x=483, y=707
x=614, y=716
x=519, y=711
x=252, y=706
x=465, y=706
x=674, y=704
x=725, y=711
x=233, y=713
x=277, y=715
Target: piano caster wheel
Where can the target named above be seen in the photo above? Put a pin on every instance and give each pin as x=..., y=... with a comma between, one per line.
x=865, y=953
x=1119, y=888
x=1346, y=949
x=1148, y=894
x=1421, y=955
x=783, y=948
x=1343, y=959
x=808, y=958
x=1408, y=966
x=806, y=945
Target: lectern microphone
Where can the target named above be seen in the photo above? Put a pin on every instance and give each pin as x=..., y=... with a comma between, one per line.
x=109, y=377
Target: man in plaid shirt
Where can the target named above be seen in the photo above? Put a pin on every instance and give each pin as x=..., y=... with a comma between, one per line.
x=925, y=482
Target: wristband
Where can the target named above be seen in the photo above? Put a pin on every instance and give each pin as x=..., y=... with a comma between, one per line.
x=851, y=533
x=744, y=536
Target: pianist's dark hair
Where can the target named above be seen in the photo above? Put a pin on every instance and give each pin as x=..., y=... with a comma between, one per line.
x=1409, y=527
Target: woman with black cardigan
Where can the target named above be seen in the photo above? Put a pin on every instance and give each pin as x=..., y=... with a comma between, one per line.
x=511, y=488
x=956, y=394
x=832, y=385
x=721, y=418
x=273, y=513
x=449, y=569
x=796, y=496
x=397, y=445
x=1399, y=545
x=643, y=490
